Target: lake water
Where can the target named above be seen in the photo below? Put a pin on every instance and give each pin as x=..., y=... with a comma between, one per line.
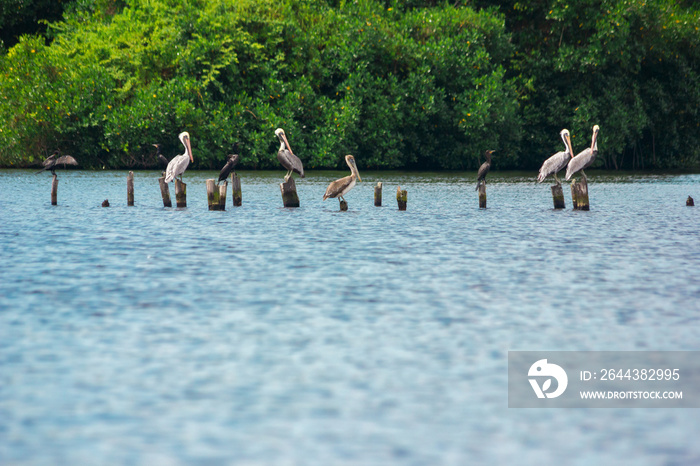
x=264, y=335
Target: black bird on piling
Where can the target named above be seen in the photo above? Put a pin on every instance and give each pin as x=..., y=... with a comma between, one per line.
x=161, y=158
x=230, y=165
x=484, y=169
x=53, y=160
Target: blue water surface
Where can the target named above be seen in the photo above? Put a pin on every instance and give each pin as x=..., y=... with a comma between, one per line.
x=265, y=335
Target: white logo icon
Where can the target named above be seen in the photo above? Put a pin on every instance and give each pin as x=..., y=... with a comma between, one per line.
x=542, y=369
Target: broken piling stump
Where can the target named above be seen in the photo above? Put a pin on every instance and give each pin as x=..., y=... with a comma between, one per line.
x=343, y=205
x=130, y=189
x=690, y=202
x=105, y=203
x=212, y=195
x=236, y=190
x=222, y=195
x=401, y=198
x=54, y=190
x=289, y=193
x=165, y=192
x=378, y=194
x=558, y=197
x=482, y=195
x=579, y=194
x=180, y=193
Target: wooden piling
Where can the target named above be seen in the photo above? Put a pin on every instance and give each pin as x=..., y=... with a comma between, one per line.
x=378, y=194
x=289, y=193
x=222, y=195
x=212, y=195
x=690, y=202
x=236, y=190
x=401, y=198
x=130, y=189
x=343, y=205
x=482, y=195
x=165, y=192
x=105, y=203
x=579, y=194
x=558, y=197
x=54, y=191
x=180, y=193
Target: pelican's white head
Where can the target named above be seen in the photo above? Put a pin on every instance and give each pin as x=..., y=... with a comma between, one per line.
x=185, y=140
x=350, y=160
x=567, y=141
x=279, y=132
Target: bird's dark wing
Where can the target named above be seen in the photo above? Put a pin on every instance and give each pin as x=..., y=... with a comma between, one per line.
x=66, y=160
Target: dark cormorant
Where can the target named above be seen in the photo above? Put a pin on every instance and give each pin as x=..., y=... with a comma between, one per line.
x=484, y=169
x=53, y=160
x=231, y=164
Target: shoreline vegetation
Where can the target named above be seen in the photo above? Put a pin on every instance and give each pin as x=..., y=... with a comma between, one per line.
x=402, y=85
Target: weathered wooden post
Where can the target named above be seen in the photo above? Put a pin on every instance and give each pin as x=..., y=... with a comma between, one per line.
x=579, y=194
x=343, y=205
x=482, y=195
x=212, y=195
x=558, y=197
x=180, y=193
x=378, y=194
x=289, y=193
x=165, y=192
x=690, y=202
x=105, y=203
x=222, y=195
x=401, y=198
x=236, y=190
x=54, y=191
x=130, y=189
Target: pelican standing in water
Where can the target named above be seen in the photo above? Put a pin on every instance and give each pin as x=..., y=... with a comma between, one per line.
x=179, y=163
x=558, y=161
x=484, y=169
x=161, y=158
x=286, y=157
x=341, y=187
x=230, y=165
x=585, y=158
x=53, y=160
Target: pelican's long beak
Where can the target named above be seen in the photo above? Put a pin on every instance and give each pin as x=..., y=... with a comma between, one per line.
x=286, y=143
x=595, y=136
x=568, y=144
x=189, y=148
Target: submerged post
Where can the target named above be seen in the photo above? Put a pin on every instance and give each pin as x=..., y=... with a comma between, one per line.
x=54, y=190
x=690, y=202
x=165, y=192
x=482, y=195
x=212, y=195
x=558, y=197
x=378, y=194
x=579, y=194
x=105, y=203
x=401, y=198
x=180, y=193
x=130, y=189
x=236, y=190
x=289, y=193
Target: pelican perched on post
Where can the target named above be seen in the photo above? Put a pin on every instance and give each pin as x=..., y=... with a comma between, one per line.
x=230, y=165
x=558, y=161
x=484, y=169
x=179, y=163
x=286, y=157
x=53, y=160
x=341, y=187
x=585, y=158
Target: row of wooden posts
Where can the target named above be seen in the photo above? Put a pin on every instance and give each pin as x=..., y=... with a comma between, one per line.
x=216, y=195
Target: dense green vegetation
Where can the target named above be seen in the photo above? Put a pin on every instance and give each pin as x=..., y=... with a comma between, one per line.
x=411, y=84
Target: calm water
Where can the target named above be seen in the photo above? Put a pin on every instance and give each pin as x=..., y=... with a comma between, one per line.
x=264, y=335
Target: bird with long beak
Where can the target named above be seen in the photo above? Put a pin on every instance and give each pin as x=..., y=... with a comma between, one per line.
x=286, y=157
x=558, y=161
x=585, y=158
x=484, y=169
x=341, y=187
x=179, y=163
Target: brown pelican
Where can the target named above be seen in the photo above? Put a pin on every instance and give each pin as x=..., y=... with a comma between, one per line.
x=484, y=169
x=341, y=187
x=286, y=157
x=179, y=163
x=558, y=161
x=230, y=165
x=585, y=158
x=53, y=160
